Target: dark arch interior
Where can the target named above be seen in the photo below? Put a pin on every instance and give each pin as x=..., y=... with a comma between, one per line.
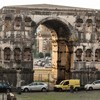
x=61, y=28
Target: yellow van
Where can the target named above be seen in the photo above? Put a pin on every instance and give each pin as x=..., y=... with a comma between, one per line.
x=67, y=84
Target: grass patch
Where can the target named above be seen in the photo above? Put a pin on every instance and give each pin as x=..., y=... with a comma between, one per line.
x=83, y=95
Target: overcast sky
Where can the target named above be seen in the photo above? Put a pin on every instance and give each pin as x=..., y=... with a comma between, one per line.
x=95, y=4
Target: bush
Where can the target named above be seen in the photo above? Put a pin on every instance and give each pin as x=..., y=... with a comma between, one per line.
x=47, y=55
x=41, y=55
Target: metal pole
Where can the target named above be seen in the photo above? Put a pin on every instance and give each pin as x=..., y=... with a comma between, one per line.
x=88, y=74
x=48, y=81
x=2, y=84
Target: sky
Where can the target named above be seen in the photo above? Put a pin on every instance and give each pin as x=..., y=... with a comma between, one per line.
x=94, y=4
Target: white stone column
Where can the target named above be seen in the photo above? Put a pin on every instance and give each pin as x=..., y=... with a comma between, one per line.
x=18, y=78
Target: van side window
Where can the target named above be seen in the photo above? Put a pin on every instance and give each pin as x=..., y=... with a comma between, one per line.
x=66, y=83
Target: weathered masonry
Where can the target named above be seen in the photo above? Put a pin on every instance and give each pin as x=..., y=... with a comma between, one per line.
x=75, y=36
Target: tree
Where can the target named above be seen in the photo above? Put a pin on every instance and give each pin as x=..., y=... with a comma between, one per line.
x=47, y=55
x=41, y=55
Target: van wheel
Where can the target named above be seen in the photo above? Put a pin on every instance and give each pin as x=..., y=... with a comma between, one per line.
x=60, y=89
x=76, y=89
x=8, y=90
x=44, y=90
x=90, y=88
x=26, y=90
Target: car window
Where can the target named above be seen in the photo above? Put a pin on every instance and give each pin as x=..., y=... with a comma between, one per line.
x=40, y=84
x=5, y=85
x=35, y=83
x=32, y=84
x=0, y=84
x=97, y=82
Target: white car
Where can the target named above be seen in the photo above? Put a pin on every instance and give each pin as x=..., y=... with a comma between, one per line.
x=35, y=86
x=92, y=86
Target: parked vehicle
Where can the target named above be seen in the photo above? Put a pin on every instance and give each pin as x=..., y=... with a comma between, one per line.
x=35, y=86
x=67, y=85
x=93, y=85
x=4, y=87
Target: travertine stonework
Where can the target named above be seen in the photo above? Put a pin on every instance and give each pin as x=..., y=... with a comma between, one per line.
x=75, y=35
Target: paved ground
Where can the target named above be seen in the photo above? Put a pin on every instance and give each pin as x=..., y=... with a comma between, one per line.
x=3, y=96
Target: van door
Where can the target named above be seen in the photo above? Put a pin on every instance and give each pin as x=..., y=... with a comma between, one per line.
x=66, y=85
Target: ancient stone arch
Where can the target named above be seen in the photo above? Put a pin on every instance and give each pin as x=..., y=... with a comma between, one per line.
x=7, y=53
x=61, y=31
x=18, y=27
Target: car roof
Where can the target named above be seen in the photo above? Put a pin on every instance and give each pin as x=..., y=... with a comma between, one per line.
x=38, y=82
x=97, y=80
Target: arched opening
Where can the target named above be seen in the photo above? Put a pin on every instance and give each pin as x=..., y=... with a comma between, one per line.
x=88, y=55
x=0, y=53
x=57, y=33
x=17, y=55
x=7, y=23
x=97, y=54
x=79, y=54
x=89, y=21
x=7, y=53
x=79, y=22
x=17, y=22
x=27, y=54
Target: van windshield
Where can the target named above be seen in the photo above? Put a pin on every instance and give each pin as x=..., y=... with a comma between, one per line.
x=62, y=82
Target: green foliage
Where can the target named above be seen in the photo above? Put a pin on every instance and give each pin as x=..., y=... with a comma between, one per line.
x=41, y=55
x=47, y=55
x=36, y=54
